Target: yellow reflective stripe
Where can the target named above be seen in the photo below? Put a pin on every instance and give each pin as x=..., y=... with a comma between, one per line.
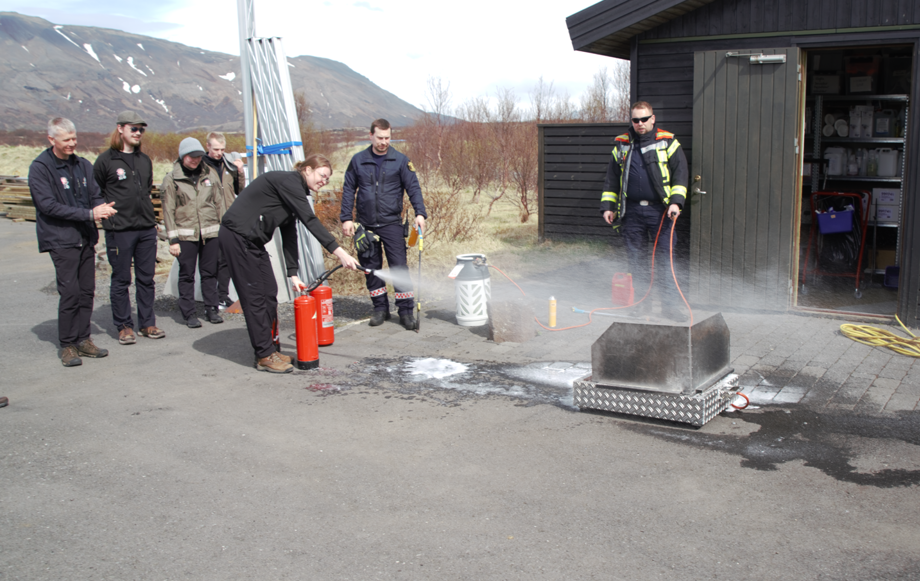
x=665, y=173
x=673, y=148
x=679, y=190
x=609, y=197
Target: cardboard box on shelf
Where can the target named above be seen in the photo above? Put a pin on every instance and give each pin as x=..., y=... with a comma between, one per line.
x=884, y=258
x=862, y=74
x=887, y=214
x=886, y=196
x=825, y=84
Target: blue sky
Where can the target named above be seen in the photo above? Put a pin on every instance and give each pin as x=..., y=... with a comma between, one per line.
x=397, y=44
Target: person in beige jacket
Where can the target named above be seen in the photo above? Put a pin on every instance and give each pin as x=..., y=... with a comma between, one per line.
x=193, y=204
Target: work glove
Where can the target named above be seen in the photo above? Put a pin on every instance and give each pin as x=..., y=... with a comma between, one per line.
x=364, y=242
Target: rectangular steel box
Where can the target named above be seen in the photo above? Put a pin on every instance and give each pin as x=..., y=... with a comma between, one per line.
x=695, y=409
x=663, y=358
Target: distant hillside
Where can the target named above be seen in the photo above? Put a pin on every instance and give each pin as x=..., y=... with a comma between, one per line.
x=89, y=74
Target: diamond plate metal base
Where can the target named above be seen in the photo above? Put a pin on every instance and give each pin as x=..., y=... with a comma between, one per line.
x=695, y=409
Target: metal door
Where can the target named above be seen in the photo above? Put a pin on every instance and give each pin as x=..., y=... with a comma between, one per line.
x=745, y=177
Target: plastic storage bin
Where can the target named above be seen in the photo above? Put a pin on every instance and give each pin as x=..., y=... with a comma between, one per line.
x=835, y=222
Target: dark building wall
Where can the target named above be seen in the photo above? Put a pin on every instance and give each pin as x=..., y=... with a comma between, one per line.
x=757, y=16
x=573, y=163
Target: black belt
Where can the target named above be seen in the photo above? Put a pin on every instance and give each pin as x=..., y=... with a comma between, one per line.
x=643, y=203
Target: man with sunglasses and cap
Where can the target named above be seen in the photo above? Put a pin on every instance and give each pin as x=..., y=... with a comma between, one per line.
x=647, y=179
x=125, y=177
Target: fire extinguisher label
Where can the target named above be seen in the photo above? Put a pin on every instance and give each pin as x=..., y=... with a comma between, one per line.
x=326, y=308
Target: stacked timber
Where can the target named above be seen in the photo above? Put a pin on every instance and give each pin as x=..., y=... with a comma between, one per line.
x=16, y=201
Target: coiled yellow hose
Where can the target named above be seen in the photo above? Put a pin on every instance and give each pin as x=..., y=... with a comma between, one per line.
x=876, y=337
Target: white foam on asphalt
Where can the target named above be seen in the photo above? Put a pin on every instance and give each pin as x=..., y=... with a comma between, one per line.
x=436, y=368
x=548, y=373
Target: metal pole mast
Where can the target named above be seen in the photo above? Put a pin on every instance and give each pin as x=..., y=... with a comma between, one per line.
x=247, y=22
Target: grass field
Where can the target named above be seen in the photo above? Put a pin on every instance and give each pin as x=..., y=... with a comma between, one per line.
x=16, y=159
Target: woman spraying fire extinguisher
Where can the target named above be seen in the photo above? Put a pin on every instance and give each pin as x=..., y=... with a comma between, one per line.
x=273, y=200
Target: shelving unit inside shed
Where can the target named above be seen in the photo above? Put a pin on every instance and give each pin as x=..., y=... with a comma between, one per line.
x=856, y=113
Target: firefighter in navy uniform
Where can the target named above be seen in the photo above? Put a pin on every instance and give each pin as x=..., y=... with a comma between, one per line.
x=647, y=178
x=374, y=184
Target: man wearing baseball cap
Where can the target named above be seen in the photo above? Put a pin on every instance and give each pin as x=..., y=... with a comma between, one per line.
x=125, y=176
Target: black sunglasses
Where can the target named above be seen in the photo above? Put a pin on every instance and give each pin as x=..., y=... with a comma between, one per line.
x=138, y=130
x=641, y=119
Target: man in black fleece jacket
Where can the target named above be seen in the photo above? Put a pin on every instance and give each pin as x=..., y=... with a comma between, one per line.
x=67, y=204
x=125, y=176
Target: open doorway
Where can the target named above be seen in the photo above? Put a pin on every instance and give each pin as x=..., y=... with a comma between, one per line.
x=856, y=112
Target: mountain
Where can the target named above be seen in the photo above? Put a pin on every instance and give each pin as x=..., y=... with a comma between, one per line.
x=90, y=74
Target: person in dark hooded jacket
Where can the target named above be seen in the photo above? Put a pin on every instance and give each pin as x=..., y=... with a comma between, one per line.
x=68, y=203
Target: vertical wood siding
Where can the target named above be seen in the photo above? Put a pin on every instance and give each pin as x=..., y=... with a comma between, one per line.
x=742, y=234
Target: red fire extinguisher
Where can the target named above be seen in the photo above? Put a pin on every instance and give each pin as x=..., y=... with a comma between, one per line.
x=325, y=330
x=305, y=325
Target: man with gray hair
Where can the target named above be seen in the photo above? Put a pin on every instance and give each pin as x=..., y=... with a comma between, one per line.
x=68, y=203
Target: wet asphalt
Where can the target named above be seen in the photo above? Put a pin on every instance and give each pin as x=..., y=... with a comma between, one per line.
x=436, y=455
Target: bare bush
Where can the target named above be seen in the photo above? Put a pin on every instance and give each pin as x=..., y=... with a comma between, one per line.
x=522, y=162
x=449, y=219
x=607, y=99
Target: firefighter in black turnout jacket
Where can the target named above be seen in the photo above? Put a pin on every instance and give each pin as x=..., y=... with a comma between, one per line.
x=374, y=184
x=647, y=177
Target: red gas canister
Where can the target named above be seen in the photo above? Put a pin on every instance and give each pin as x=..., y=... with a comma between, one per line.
x=325, y=330
x=622, y=289
x=305, y=325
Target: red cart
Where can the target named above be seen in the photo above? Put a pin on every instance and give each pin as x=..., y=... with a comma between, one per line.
x=827, y=217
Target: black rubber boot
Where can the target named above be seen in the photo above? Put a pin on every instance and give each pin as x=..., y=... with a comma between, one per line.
x=379, y=317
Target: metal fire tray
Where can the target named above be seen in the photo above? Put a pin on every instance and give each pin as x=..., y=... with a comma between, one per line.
x=695, y=409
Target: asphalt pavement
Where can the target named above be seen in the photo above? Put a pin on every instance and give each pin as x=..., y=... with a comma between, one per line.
x=441, y=454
